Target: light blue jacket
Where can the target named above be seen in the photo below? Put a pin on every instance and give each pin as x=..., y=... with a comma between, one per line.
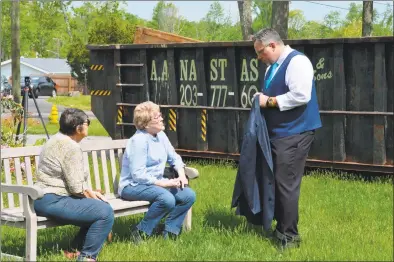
x=145, y=158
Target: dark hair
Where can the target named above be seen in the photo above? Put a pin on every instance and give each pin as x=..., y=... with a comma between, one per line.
x=70, y=119
x=266, y=35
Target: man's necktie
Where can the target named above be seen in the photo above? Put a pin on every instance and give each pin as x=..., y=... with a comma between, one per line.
x=270, y=74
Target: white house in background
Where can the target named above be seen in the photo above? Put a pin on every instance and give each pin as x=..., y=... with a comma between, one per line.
x=37, y=66
x=55, y=68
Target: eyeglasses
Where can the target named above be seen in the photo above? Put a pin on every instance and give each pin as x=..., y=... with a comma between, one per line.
x=157, y=116
x=87, y=122
x=262, y=50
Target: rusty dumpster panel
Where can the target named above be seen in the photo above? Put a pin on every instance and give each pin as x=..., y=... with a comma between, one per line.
x=205, y=91
x=144, y=35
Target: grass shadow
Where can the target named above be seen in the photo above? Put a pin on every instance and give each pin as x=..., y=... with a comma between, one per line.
x=50, y=240
x=223, y=219
x=123, y=225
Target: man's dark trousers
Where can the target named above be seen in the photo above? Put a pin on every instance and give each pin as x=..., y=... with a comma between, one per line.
x=289, y=157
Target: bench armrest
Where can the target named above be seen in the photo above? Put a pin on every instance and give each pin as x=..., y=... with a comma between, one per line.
x=33, y=191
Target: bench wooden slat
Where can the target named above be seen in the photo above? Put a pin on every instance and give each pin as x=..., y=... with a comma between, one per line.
x=120, y=157
x=18, y=173
x=28, y=169
x=1, y=200
x=20, y=151
x=36, y=161
x=87, y=169
x=105, y=171
x=16, y=214
x=90, y=145
x=113, y=171
x=96, y=170
x=8, y=180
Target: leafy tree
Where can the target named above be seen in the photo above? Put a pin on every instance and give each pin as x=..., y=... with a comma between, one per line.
x=384, y=26
x=217, y=26
x=333, y=20
x=297, y=22
x=104, y=23
x=263, y=12
x=166, y=18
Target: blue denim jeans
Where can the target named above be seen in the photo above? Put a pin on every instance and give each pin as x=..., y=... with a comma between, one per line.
x=173, y=202
x=94, y=217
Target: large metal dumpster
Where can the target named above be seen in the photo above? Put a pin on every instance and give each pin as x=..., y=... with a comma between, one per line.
x=205, y=91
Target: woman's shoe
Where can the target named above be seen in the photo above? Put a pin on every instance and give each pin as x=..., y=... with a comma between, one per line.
x=71, y=255
x=191, y=172
x=85, y=259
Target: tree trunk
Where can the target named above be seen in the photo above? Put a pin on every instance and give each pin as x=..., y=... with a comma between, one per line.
x=367, y=18
x=280, y=17
x=245, y=15
x=15, y=50
x=64, y=11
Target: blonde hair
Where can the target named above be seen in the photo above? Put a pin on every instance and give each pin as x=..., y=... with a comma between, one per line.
x=143, y=114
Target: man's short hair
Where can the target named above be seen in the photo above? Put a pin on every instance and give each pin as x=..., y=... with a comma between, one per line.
x=266, y=36
x=70, y=119
x=143, y=114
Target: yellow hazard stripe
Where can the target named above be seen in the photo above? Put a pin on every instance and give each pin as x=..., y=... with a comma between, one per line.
x=120, y=114
x=204, y=125
x=100, y=92
x=172, y=127
x=172, y=119
x=97, y=67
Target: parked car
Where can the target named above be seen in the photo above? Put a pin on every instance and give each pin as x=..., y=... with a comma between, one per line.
x=40, y=85
x=6, y=88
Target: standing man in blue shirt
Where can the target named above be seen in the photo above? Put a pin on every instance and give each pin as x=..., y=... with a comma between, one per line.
x=290, y=107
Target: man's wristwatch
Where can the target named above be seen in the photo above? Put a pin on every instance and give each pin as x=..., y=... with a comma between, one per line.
x=270, y=102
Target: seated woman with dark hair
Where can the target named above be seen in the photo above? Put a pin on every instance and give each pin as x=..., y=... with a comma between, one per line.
x=68, y=199
x=142, y=175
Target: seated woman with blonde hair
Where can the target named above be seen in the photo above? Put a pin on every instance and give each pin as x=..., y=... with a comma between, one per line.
x=141, y=178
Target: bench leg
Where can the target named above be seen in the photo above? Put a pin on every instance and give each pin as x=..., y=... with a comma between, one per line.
x=31, y=229
x=187, y=223
x=31, y=240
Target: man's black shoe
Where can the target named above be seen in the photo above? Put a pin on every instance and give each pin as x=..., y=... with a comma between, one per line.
x=284, y=242
x=169, y=235
x=138, y=236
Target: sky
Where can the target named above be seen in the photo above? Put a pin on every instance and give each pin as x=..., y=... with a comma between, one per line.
x=195, y=10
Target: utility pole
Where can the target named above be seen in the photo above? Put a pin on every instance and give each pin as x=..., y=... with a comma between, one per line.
x=15, y=52
x=280, y=17
x=57, y=46
x=367, y=18
x=245, y=15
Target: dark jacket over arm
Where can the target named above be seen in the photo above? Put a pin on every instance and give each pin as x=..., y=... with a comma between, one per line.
x=254, y=189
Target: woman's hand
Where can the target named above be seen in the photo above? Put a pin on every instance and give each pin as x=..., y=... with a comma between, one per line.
x=182, y=178
x=169, y=183
x=88, y=193
x=184, y=181
x=101, y=196
x=174, y=183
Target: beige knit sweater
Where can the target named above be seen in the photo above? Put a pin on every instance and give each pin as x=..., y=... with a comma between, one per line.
x=61, y=169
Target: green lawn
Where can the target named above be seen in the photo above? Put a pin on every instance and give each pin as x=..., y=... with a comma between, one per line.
x=35, y=127
x=95, y=128
x=81, y=102
x=340, y=219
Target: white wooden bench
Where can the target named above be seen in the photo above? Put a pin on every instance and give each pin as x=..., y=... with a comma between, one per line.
x=19, y=179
